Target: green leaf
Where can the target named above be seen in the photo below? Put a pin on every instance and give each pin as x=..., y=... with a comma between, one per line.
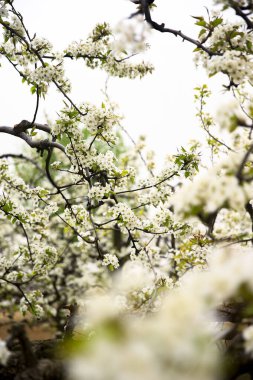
x=201, y=23
x=203, y=31
x=249, y=45
x=198, y=17
x=217, y=22
x=33, y=89
x=211, y=75
x=124, y=173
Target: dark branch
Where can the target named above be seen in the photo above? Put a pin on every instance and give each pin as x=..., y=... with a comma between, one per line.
x=18, y=131
x=239, y=12
x=22, y=157
x=161, y=28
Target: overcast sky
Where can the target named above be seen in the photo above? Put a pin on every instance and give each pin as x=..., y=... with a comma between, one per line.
x=160, y=106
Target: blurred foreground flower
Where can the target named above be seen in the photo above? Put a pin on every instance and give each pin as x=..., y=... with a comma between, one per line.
x=122, y=340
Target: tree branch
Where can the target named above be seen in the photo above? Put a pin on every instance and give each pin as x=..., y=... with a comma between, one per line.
x=161, y=28
x=18, y=131
x=239, y=12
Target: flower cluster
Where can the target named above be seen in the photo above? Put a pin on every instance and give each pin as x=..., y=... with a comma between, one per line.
x=100, y=50
x=42, y=45
x=99, y=120
x=213, y=190
x=98, y=192
x=237, y=66
x=80, y=223
x=50, y=73
x=125, y=215
x=230, y=45
x=111, y=261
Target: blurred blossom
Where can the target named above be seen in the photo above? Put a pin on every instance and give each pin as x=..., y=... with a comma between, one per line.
x=131, y=35
x=176, y=341
x=248, y=338
x=4, y=353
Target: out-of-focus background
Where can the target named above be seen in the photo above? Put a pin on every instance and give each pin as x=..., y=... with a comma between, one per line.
x=160, y=106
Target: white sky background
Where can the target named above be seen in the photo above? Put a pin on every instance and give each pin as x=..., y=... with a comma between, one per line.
x=160, y=105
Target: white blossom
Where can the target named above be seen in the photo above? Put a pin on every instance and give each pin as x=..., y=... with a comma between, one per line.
x=4, y=353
